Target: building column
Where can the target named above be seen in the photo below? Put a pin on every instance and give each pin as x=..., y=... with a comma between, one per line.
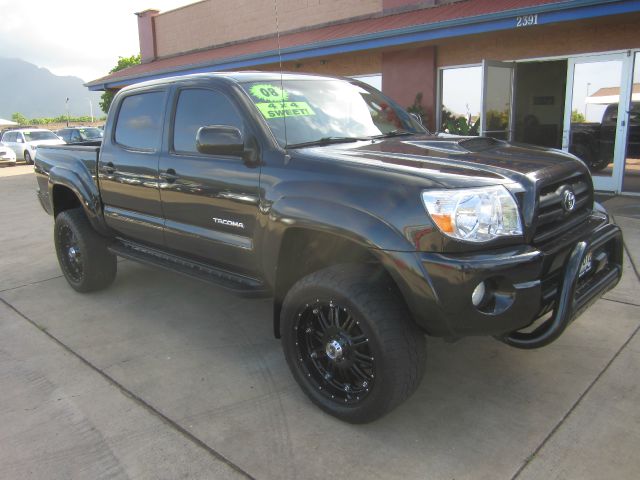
x=147, y=35
x=409, y=72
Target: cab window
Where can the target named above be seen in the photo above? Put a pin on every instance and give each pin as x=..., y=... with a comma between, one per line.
x=199, y=108
x=75, y=136
x=139, y=122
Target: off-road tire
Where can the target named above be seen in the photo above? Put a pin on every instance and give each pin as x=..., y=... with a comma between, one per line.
x=394, y=341
x=98, y=266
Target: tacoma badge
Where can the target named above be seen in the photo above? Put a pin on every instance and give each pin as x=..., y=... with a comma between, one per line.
x=230, y=223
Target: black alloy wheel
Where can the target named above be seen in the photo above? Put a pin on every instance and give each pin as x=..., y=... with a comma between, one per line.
x=83, y=254
x=334, y=351
x=71, y=254
x=350, y=342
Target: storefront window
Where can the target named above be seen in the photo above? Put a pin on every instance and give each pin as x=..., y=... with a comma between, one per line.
x=594, y=113
x=631, y=179
x=460, y=100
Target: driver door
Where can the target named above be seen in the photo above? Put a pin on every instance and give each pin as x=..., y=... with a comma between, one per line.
x=210, y=202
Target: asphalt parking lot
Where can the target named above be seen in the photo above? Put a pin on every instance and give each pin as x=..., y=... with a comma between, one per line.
x=161, y=376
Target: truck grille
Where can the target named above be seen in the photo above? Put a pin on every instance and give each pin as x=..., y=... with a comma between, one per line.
x=553, y=217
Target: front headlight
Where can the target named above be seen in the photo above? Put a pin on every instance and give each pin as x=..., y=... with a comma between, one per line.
x=474, y=214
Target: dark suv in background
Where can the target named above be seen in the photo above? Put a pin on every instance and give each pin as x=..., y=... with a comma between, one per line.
x=594, y=142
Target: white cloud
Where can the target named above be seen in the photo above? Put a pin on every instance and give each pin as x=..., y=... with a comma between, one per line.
x=83, y=38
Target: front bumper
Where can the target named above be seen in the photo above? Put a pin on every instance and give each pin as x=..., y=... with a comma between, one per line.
x=527, y=283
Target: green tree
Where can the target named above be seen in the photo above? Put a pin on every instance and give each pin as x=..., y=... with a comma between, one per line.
x=577, y=117
x=459, y=125
x=19, y=118
x=123, y=62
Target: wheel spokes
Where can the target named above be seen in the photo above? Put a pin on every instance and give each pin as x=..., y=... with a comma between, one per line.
x=359, y=341
x=322, y=320
x=335, y=351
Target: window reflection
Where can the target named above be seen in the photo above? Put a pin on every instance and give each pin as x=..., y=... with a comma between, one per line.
x=631, y=179
x=594, y=114
x=461, y=98
x=498, y=102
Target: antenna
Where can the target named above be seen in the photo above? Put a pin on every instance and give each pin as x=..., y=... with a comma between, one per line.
x=284, y=115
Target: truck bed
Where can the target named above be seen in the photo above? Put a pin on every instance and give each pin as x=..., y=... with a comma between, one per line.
x=78, y=161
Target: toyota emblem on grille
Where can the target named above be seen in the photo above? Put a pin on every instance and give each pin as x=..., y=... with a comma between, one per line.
x=568, y=200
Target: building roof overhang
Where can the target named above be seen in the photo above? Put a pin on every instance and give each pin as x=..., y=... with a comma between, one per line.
x=451, y=20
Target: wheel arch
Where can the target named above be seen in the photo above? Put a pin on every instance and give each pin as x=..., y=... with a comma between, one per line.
x=67, y=189
x=307, y=235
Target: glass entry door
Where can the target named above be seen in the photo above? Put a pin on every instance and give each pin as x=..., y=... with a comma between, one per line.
x=497, y=100
x=595, y=123
x=631, y=176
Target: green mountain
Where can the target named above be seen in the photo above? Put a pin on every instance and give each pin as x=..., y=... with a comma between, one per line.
x=36, y=92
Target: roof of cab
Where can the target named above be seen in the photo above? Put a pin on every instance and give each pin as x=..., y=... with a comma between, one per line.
x=236, y=77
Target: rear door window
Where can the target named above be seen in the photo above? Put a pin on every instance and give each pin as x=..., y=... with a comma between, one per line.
x=139, y=123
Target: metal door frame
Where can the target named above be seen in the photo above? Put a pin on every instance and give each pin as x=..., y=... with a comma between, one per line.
x=483, y=110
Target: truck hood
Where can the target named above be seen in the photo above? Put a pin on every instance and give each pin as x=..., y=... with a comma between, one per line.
x=454, y=162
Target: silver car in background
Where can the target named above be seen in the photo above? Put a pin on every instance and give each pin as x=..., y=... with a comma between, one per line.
x=24, y=142
x=7, y=155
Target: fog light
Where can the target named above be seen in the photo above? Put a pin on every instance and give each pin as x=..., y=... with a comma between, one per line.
x=478, y=294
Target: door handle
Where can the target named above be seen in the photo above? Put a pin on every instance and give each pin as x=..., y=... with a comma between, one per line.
x=170, y=175
x=109, y=168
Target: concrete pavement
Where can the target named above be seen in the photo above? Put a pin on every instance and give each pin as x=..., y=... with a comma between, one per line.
x=160, y=376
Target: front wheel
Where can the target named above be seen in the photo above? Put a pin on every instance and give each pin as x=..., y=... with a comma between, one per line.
x=350, y=343
x=82, y=254
x=27, y=158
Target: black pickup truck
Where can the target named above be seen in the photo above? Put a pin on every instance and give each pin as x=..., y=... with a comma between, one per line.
x=594, y=143
x=367, y=231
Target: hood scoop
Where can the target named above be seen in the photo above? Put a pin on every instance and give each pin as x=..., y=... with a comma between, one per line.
x=457, y=145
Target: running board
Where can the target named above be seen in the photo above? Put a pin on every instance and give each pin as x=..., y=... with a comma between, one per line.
x=238, y=284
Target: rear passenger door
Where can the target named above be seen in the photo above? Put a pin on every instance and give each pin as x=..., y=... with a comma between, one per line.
x=210, y=202
x=128, y=166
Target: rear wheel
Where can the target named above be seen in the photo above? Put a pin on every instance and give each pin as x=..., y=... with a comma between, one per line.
x=82, y=254
x=27, y=158
x=350, y=343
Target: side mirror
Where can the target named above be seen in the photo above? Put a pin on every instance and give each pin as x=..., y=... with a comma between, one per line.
x=220, y=140
x=19, y=140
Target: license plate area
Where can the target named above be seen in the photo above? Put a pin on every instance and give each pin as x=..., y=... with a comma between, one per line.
x=586, y=265
x=593, y=265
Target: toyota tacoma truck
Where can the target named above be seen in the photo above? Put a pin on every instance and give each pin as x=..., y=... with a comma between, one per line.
x=366, y=230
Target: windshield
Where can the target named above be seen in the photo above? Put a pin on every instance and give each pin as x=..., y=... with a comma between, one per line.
x=90, y=133
x=326, y=109
x=38, y=136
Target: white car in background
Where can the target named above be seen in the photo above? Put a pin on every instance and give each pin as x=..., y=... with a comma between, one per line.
x=24, y=141
x=7, y=155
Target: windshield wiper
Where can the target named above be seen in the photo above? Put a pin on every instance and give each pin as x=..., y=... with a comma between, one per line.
x=326, y=141
x=394, y=133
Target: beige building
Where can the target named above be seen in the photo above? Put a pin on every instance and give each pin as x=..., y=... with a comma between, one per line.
x=520, y=70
